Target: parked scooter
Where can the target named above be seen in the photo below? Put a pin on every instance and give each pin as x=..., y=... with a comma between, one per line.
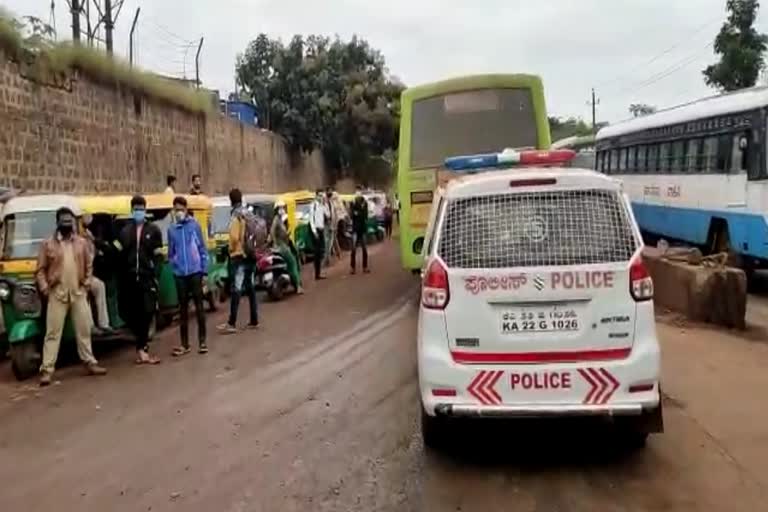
x=272, y=275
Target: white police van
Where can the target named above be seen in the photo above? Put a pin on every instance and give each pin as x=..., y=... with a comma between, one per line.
x=535, y=301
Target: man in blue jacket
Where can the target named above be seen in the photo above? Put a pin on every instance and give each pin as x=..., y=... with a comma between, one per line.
x=188, y=257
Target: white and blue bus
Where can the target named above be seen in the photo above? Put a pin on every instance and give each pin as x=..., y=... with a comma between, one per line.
x=697, y=173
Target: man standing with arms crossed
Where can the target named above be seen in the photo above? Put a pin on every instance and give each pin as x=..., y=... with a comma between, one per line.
x=64, y=271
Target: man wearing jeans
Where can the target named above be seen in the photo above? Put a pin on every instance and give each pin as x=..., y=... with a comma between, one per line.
x=188, y=257
x=241, y=267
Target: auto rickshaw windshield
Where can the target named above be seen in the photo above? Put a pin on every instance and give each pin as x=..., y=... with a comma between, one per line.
x=221, y=215
x=302, y=211
x=23, y=233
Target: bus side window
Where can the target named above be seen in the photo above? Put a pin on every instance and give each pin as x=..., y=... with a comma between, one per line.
x=739, y=153
x=677, y=161
x=692, y=159
x=664, y=157
x=623, y=159
x=653, y=158
x=641, y=158
x=709, y=159
x=614, y=163
x=632, y=160
x=723, y=153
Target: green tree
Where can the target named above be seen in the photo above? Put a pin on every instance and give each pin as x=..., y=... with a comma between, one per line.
x=321, y=93
x=740, y=47
x=561, y=128
x=641, y=109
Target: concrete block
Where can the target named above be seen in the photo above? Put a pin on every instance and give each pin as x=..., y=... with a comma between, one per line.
x=702, y=294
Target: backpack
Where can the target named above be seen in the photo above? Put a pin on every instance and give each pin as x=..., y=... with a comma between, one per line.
x=255, y=234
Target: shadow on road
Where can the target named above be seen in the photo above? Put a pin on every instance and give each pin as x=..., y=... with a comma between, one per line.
x=535, y=445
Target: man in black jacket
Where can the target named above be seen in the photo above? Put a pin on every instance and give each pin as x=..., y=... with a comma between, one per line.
x=140, y=244
x=359, y=216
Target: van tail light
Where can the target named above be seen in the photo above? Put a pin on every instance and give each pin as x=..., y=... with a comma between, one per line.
x=640, y=282
x=434, y=287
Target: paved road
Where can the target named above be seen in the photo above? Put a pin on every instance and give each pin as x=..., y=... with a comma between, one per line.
x=318, y=411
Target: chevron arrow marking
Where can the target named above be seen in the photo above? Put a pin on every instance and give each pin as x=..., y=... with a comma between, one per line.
x=613, y=383
x=482, y=387
x=602, y=385
x=592, y=384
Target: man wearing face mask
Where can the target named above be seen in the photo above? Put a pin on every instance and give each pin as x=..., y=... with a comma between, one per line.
x=64, y=271
x=188, y=257
x=281, y=241
x=140, y=244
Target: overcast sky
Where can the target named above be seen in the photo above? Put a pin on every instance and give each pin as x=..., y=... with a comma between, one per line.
x=649, y=51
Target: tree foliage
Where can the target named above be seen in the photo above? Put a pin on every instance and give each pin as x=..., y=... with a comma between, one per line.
x=561, y=128
x=641, y=109
x=740, y=46
x=323, y=93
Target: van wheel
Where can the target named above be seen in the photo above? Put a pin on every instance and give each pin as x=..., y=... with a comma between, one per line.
x=433, y=431
x=25, y=359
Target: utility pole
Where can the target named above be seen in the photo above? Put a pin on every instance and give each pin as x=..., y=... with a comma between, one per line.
x=74, y=8
x=595, y=102
x=197, y=63
x=130, y=39
x=109, y=24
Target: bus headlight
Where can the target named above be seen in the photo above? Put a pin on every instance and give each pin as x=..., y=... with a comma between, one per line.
x=26, y=300
x=5, y=290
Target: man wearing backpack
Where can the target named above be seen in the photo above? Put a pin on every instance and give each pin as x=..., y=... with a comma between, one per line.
x=243, y=239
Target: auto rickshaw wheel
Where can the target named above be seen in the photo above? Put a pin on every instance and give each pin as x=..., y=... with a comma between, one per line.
x=25, y=359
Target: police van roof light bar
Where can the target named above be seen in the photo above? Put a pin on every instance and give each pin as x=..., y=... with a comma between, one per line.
x=509, y=158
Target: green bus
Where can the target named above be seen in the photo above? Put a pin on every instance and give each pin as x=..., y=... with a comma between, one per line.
x=461, y=116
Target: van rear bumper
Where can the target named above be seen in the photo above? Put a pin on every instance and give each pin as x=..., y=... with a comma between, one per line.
x=535, y=411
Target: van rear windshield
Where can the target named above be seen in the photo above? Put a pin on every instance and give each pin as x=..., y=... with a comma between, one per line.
x=537, y=229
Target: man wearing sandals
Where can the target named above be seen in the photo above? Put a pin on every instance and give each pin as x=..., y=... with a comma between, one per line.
x=188, y=257
x=140, y=244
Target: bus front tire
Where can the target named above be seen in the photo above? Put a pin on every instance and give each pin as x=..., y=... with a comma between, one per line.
x=25, y=359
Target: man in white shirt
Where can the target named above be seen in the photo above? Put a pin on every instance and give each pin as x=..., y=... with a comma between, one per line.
x=317, y=215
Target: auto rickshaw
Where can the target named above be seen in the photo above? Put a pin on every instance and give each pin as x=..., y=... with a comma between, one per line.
x=27, y=221
x=298, y=205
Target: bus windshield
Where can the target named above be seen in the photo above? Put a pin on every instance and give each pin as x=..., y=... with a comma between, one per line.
x=471, y=122
x=25, y=232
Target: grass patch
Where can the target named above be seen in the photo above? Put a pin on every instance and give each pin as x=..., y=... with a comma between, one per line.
x=99, y=67
x=11, y=41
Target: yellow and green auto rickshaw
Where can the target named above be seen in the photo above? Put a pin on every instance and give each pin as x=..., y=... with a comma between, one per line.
x=298, y=205
x=27, y=221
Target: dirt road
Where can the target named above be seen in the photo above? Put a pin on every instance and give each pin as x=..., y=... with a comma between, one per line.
x=318, y=411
